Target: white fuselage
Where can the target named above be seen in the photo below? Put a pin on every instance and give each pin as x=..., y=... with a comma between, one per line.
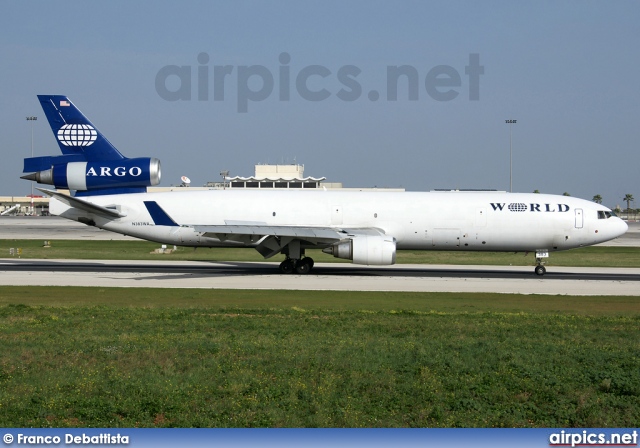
x=475, y=221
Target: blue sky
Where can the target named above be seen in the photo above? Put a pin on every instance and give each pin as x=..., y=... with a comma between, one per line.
x=568, y=71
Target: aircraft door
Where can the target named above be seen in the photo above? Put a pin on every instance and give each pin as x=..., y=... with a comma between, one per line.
x=579, y=218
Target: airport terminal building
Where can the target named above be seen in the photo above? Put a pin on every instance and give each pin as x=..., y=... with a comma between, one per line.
x=273, y=176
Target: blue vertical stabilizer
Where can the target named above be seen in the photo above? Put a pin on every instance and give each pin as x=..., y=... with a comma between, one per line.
x=75, y=134
x=89, y=164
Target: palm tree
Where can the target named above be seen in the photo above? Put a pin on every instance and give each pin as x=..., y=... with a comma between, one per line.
x=597, y=199
x=628, y=198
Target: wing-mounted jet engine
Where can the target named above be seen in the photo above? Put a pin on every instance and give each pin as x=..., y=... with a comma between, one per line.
x=365, y=249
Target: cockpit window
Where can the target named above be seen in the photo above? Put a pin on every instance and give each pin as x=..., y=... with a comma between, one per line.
x=605, y=215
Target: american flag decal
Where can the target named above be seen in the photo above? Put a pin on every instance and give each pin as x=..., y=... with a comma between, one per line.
x=64, y=103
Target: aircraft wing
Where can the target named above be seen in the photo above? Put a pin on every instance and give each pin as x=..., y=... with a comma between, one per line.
x=299, y=232
x=83, y=205
x=264, y=230
x=271, y=239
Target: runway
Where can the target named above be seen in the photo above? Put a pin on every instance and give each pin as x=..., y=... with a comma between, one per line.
x=52, y=228
x=325, y=276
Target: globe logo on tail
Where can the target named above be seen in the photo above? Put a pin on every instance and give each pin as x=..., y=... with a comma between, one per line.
x=77, y=135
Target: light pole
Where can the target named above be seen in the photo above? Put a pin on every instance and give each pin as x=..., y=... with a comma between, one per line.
x=32, y=119
x=510, y=122
x=224, y=175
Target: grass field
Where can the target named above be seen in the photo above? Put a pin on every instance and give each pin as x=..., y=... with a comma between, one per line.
x=154, y=357
x=141, y=250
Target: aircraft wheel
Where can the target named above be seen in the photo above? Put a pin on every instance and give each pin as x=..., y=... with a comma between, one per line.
x=287, y=266
x=303, y=266
x=308, y=260
x=540, y=270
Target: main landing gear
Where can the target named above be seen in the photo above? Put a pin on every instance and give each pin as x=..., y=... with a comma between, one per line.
x=302, y=266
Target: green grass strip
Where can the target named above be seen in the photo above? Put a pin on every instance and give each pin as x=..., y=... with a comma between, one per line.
x=61, y=296
x=236, y=360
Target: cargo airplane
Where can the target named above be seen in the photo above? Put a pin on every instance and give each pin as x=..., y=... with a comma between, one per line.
x=109, y=191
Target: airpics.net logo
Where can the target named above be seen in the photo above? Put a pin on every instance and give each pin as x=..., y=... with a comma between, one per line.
x=255, y=83
x=77, y=135
x=591, y=438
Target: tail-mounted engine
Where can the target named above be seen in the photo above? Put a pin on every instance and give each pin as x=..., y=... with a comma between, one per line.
x=86, y=176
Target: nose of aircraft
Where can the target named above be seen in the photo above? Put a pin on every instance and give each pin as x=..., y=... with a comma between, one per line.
x=621, y=228
x=614, y=228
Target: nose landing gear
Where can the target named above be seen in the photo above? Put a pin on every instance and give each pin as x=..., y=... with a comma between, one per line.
x=540, y=270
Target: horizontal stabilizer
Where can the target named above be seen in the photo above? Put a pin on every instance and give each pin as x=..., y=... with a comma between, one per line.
x=83, y=205
x=34, y=164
